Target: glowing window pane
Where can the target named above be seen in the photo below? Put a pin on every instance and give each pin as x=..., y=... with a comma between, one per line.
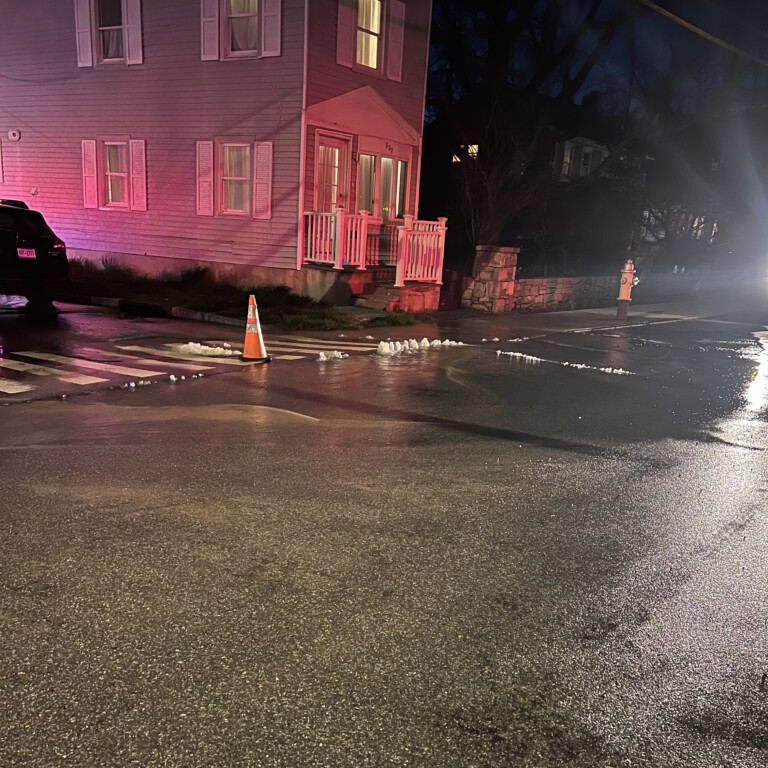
x=367, y=183
x=235, y=177
x=368, y=32
x=116, y=173
x=387, y=186
x=402, y=189
x=243, y=20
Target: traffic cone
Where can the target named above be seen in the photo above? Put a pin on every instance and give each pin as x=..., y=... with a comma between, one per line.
x=253, y=348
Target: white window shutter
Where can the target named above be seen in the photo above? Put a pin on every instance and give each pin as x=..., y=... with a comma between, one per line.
x=134, y=53
x=2, y=177
x=90, y=175
x=209, y=30
x=395, y=40
x=345, y=32
x=262, y=180
x=270, y=27
x=83, y=33
x=205, y=178
x=138, y=155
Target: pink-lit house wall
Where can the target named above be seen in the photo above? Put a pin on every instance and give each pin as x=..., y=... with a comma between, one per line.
x=174, y=100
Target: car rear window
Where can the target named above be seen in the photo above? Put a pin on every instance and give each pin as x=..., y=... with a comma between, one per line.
x=32, y=224
x=6, y=221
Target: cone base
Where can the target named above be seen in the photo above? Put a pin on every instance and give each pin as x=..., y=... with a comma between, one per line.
x=266, y=359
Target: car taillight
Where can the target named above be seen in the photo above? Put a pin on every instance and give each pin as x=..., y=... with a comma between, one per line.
x=59, y=247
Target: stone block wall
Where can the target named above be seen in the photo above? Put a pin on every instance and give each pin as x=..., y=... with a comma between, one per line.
x=493, y=280
x=549, y=294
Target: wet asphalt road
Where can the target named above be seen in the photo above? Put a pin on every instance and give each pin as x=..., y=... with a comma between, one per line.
x=456, y=558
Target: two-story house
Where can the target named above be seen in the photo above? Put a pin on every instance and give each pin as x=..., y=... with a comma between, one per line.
x=273, y=141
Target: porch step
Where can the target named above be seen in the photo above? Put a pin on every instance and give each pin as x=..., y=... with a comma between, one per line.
x=383, y=297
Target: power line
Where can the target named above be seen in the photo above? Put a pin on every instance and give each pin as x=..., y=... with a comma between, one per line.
x=703, y=33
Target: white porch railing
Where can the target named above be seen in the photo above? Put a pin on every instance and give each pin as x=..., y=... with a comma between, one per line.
x=342, y=239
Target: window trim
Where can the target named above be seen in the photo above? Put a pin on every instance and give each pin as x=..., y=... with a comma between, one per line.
x=221, y=144
x=225, y=38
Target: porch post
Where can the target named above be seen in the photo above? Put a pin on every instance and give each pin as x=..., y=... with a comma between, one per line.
x=400, y=256
x=363, y=239
x=340, y=237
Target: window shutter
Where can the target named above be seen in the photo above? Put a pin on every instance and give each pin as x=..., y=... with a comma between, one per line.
x=209, y=30
x=262, y=180
x=345, y=32
x=90, y=177
x=395, y=40
x=83, y=33
x=133, y=45
x=138, y=175
x=2, y=177
x=270, y=28
x=205, y=178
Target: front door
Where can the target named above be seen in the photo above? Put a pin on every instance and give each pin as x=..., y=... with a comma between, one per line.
x=332, y=180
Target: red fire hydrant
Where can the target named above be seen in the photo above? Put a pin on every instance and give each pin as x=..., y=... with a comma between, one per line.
x=628, y=280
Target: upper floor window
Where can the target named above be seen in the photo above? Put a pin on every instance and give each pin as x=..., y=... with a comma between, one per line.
x=370, y=36
x=109, y=20
x=368, y=33
x=108, y=31
x=233, y=29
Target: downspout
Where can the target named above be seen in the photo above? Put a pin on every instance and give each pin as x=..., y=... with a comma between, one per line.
x=423, y=109
x=303, y=143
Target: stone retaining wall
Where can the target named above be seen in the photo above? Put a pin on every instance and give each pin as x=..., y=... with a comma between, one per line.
x=548, y=294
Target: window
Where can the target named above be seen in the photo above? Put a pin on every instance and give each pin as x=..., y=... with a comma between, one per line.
x=115, y=163
x=368, y=33
x=370, y=36
x=234, y=178
x=109, y=21
x=233, y=29
x=366, y=184
x=382, y=186
x=108, y=32
x=114, y=174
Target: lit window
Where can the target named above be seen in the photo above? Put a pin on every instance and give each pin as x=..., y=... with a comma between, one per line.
x=366, y=184
x=455, y=159
x=387, y=187
x=368, y=33
x=472, y=150
x=235, y=178
x=242, y=19
x=109, y=18
x=402, y=189
x=116, y=175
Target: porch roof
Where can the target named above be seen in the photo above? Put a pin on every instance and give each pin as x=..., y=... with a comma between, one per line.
x=363, y=112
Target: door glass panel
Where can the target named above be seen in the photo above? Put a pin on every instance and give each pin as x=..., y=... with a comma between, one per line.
x=331, y=177
x=402, y=188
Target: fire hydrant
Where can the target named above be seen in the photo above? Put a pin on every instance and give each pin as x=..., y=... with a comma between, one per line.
x=628, y=281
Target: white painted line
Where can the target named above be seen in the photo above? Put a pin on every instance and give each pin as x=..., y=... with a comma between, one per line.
x=289, y=357
x=325, y=343
x=40, y=370
x=13, y=387
x=80, y=363
x=179, y=356
x=305, y=350
x=168, y=353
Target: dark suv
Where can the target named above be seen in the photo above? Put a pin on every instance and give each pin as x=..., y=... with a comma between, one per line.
x=33, y=261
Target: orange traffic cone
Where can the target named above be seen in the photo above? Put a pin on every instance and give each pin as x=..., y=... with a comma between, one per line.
x=253, y=349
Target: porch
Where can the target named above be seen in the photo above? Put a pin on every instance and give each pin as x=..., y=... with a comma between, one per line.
x=405, y=253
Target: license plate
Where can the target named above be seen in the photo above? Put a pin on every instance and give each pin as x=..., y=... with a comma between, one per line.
x=26, y=253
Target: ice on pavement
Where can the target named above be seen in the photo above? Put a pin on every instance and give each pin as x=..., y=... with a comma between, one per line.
x=580, y=366
x=206, y=350
x=410, y=346
x=335, y=355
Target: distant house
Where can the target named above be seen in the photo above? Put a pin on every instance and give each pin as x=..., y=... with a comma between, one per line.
x=272, y=140
x=577, y=157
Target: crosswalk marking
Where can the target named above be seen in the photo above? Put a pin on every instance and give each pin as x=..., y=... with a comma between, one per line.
x=180, y=356
x=327, y=343
x=40, y=370
x=80, y=363
x=168, y=353
x=13, y=387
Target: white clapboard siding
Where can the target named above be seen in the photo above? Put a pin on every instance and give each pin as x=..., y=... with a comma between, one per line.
x=395, y=40
x=205, y=178
x=209, y=30
x=262, y=180
x=345, y=33
x=138, y=175
x=270, y=27
x=83, y=33
x=90, y=174
x=134, y=53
